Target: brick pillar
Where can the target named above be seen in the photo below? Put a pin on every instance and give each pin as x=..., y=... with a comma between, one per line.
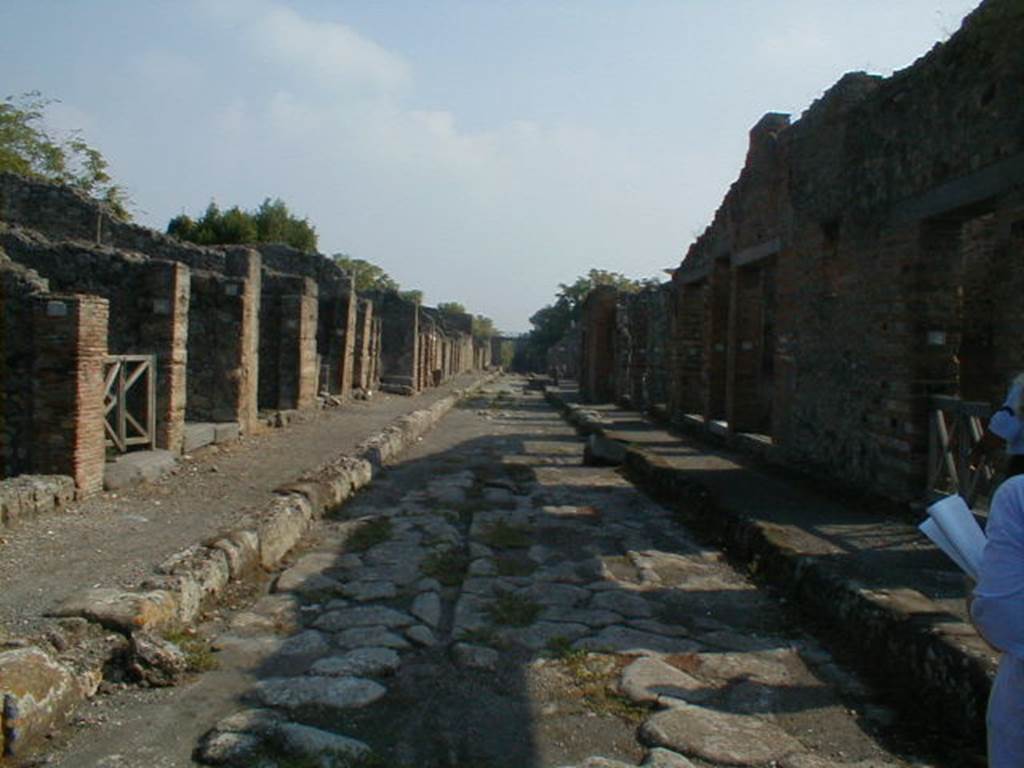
x=350, y=315
x=67, y=387
x=298, y=354
x=363, y=365
x=246, y=265
x=163, y=331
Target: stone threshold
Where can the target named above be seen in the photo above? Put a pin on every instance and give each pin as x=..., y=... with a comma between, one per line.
x=42, y=685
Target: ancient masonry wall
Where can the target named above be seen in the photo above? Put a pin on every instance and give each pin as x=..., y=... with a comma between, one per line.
x=223, y=376
x=148, y=301
x=67, y=381
x=362, y=370
x=597, y=359
x=289, y=364
x=867, y=258
x=18, y=288
x=336, y=314
x=399, y=342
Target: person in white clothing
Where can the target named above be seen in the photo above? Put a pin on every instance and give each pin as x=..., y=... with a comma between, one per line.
x=1006, y=429
x=997, y=611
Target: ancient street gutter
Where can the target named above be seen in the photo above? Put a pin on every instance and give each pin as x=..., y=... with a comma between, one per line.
x=936, y=668
x=40, y=689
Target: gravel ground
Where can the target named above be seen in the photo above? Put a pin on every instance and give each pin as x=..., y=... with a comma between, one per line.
x=115, y=539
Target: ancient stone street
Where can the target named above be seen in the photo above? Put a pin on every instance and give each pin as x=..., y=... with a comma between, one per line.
x=490, y=601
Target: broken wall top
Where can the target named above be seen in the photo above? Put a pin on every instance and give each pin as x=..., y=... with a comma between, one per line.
x=871, y=145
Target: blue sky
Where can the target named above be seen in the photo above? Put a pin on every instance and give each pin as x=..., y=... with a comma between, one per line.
x=481, y=150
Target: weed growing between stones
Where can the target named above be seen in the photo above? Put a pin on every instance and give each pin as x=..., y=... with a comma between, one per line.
x=369, y=535
x=198, y=654
x=593, y=679
x=448, y=566
x=513, y=610
x=501, y=535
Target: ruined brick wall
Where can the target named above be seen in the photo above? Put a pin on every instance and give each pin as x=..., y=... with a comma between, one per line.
x=597, y=363
x=642, y=347
x=18, y=287
x=70, y=346
x=62, y=213
x=399, y=340
x=148, y=308
x=289, y=365
x=362, y=370
x=375, y=353
x=222, y=345
x=564, y=357
x=336, y=332
x=843, y=280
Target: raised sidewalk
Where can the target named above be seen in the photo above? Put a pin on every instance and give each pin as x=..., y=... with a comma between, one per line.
x=873, y=582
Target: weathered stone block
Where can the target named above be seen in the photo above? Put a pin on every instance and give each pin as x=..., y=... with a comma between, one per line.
x=37, y=694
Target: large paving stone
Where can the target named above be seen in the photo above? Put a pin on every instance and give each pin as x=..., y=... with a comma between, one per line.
x=371, y=637
x=361, y=662
x=554, y=594
x=537, y=636
x=364, y=591
x=427, y=608
x=363, y=616
x=630, y=605
x=650, y=680
x=590, y=617
x=308, y=644
x=765, y=667
x=312, y=743
x=329, y=693
x=618, y=639
x=664, y=758
x=719, y=737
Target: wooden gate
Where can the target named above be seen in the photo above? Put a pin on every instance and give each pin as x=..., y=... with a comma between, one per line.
x=956, y=426
x=129, y=401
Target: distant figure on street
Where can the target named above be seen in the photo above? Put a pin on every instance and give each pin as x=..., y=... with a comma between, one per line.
x=1006, y=430
x=997, y=611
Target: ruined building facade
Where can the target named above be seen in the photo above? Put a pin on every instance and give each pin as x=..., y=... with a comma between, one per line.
x=868, y=257
x=116, y=337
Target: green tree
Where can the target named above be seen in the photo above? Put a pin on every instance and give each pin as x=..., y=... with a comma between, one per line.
x=451, y=308
x=368, y=276
x=550, y=323
x=483, y=327
x=28, y=149
x=270, y=223
x=415, y=295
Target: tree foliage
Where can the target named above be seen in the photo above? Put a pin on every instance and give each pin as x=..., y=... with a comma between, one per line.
x=27, y=148
x=272, y=222
x=550, y=323
x=368, y=276
x=483, y=327
x=451, y=308
x=414, y=295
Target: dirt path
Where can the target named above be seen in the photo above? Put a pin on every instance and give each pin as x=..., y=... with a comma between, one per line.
x=492, y=603
x=115, y=539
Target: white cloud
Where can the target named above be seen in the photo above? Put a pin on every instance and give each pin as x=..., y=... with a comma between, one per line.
x=320, y=116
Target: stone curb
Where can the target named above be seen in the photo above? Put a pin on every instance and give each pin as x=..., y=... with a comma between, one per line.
x=940, y=668
x=38, y=692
